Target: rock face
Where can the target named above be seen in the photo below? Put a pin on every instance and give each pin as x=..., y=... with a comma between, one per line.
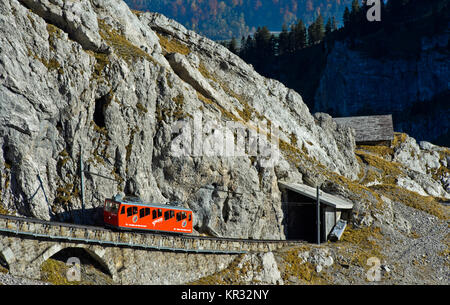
x=403, y=87
x=148, y=103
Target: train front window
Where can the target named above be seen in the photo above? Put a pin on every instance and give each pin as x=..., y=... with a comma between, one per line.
x=114, y=208
x=122, y=211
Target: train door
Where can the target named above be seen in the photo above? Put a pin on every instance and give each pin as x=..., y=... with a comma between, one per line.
x=156, y=219
x=168, y=220
x=132, y=215
x=144, y=215
x=110, y=211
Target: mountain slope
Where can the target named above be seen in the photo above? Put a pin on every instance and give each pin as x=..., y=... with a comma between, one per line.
x=144, y=101
x=112, y=85
x=223, y=20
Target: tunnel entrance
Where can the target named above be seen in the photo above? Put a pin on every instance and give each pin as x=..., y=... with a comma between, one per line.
x=4, y=267
x=300, y=212
x=91, y=269
x=301, y=216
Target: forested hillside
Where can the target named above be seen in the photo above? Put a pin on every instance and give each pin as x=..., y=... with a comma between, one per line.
x=221, y=20
x=397, y=66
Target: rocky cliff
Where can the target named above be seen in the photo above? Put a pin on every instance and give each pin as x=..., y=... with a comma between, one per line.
x=174, y=117
x=413, y=87
x=94, y=79
x=157, y=107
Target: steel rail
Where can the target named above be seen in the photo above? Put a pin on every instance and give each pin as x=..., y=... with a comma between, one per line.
x=133, y=245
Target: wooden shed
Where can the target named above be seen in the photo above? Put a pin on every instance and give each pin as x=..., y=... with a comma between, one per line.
x=370, y=130
x=300, y=211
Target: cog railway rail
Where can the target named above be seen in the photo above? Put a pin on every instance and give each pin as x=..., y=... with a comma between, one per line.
x=76, y=233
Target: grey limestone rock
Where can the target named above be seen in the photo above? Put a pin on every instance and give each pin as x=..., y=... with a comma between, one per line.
x=93, y=79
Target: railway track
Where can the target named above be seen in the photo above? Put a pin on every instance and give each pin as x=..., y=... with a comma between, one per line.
x=76, y=233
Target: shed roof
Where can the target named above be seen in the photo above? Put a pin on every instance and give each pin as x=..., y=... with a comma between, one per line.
x=370, y=128
x=311, y=192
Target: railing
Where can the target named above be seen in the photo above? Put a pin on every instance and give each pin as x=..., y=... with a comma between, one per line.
x=74, y=233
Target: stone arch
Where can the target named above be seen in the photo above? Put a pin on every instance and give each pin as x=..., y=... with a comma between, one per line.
x=94, y=253
x=5, y=258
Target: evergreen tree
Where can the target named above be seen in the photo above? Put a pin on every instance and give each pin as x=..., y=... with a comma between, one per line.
x=346, y=18
x=283, y=41
x=300, y=36
x=320, y=28
x=264, y=47
x=334, y=25
x=328, y=27
x=355, y=13
x=316, y=31
x=232, y=46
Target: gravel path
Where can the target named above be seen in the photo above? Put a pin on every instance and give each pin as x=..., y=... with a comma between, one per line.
x=424, y=258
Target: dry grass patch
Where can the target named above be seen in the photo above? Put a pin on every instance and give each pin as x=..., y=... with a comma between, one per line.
x=124, y=48
x=364, y=243
x=304, y=272
x=171, y=45
x=428, y=204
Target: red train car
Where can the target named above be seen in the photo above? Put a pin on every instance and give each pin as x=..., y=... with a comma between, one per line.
x=126, y=213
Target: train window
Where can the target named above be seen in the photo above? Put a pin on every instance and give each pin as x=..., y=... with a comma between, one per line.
x=190, y=217
x=166, y=215
x=183, y=215
x=122, y=211
x=172, y=214
x=114, y=208
x=141, y=213
x=178, y=216
x=132, y=211
x=147, y=211
x=159, y=212
x=154, y=215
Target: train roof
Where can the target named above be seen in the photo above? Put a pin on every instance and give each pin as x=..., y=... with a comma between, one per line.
x=138, y=202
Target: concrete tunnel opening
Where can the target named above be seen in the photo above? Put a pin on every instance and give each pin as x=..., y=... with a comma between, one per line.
x=299, y=203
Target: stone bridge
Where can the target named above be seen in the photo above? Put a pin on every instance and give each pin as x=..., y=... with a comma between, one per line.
x=127, y=257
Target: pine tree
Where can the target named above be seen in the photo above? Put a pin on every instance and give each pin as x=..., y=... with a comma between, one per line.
x=320, y=28
x=334, y=25
x=283, y=41
x=346, y=18
x=316, y=31
x=354, y=13
x=300, y=36
x=328, y=27
x=355, y=7
x=232, y=46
